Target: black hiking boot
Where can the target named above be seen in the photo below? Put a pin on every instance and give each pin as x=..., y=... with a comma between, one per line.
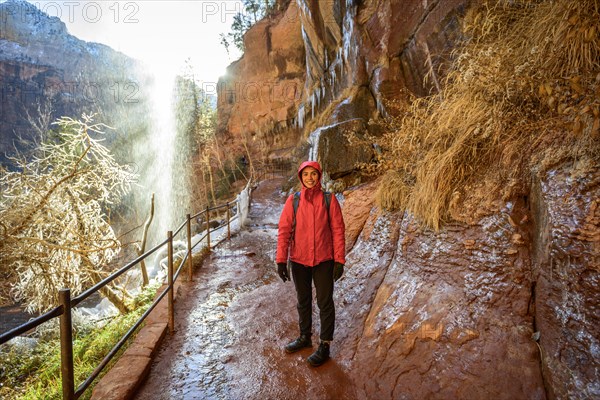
x=320, y=355
x=298, y=344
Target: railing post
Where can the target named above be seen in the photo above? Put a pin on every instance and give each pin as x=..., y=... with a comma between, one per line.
x=207, y=228
x=189, y=240
x=228, y=227
x=66, y=346
x=171, y=288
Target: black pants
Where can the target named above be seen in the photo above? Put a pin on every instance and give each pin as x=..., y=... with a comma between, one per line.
x=322, y=276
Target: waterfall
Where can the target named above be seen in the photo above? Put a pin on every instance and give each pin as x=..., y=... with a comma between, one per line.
x=162, y=159
x=163, y=135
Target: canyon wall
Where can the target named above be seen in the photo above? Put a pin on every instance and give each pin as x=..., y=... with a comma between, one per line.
x=565, y=257
x=46, y=73
x=504, y=306
x=321, y=64
x=259, y=95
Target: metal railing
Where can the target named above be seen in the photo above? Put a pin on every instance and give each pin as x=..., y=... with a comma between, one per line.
x=67, y=303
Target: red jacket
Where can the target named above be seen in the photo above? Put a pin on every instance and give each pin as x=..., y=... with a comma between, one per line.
x=317, y=238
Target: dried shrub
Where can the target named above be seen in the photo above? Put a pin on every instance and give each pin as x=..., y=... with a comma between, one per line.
x=55, y=230
x=393, y=192
x=523, y=88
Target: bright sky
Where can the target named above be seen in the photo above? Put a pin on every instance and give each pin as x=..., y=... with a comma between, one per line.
x=162, y=33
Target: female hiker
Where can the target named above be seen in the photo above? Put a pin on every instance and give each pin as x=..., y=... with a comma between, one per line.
x=311, y=236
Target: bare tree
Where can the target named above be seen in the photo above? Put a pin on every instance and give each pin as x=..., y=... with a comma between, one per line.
x=141, y=247
x=41, y=121
x=54, y=229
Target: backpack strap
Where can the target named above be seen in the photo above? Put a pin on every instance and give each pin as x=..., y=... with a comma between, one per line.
x=327, y=200
x=296, y=202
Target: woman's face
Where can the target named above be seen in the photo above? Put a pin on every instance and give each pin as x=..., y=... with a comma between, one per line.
x=310, y=177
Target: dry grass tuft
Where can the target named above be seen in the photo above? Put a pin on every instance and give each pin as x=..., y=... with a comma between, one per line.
x=523, y=93
x=393, y=192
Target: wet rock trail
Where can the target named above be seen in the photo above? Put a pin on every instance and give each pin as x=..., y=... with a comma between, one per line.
x=233, y=322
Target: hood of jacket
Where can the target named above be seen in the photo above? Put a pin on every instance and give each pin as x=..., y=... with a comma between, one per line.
x=316, y=166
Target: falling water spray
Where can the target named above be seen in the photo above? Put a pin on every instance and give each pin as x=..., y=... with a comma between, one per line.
x=163, y=156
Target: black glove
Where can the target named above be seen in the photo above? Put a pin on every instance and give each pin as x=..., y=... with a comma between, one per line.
x=338, y=270
x=283, y=272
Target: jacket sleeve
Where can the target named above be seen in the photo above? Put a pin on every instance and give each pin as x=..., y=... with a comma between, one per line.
x=285, y=231
x=338, y=231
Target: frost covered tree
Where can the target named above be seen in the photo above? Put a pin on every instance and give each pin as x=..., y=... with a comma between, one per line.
x=54, y=215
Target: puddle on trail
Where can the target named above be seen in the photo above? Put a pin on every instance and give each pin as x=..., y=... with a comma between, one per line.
x=208, y=335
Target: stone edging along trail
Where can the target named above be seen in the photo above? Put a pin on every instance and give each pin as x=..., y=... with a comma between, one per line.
x=125, y=377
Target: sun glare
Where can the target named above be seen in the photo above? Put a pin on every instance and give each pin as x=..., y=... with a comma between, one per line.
x=162, y=34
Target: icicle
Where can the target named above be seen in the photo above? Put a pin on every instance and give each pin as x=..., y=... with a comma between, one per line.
x=304, y=8
x=333, y=77
x=306, y=42
x=301, y=116
x=348, y=29
x=313, y=141
x=380, y=106
x=319, y=96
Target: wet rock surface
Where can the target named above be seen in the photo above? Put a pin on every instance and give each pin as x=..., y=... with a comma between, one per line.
x=451, y=318
x=566, y=207
x=334, y=147
x=440, y=315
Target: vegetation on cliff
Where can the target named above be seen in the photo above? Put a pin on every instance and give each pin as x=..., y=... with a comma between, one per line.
x=254, y=11
x=522, y=94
